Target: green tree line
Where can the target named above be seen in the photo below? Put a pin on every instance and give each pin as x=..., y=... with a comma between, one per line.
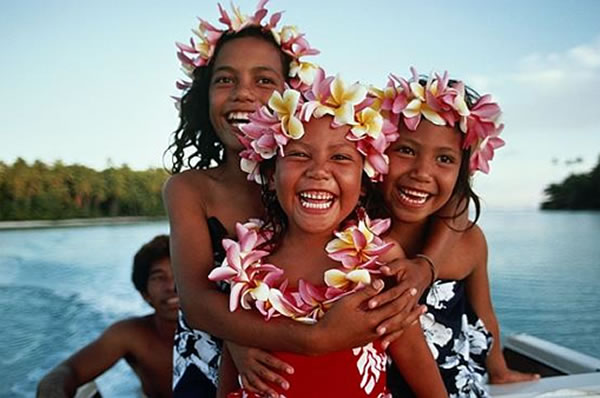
x=49, y=192
x=576, y=192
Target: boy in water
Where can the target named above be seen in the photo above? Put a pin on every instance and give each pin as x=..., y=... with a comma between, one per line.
x=145, y=342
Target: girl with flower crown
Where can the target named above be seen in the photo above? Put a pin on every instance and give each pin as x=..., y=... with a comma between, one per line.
x=446, y=133
x=308, y=149
x=233, y=71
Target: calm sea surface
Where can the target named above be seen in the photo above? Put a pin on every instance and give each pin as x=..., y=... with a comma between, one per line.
x=59, y=288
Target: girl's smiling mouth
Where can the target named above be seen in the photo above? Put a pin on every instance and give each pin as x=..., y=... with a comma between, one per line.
x=313, y=199
x=412, y=196
x=237, y=118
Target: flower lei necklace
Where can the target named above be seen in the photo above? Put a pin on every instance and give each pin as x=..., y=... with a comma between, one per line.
x=255, y=283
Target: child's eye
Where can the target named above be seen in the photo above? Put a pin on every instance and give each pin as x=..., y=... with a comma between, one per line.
x=222, y=80
x=266, y=81
x=341, y=156
x=446, y=159
x=157, y=278
x=404, y=150
x=296, y=154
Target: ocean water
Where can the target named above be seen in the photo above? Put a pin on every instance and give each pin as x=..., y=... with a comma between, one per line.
x=544, y=273
x=59, y=288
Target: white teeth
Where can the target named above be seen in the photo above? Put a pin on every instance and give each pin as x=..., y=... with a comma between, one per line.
x=238, y=117
x=414, y=197
x=316, y=195
x=310, y=205
x=307, y=199
x=411, y=192
x=173, y=300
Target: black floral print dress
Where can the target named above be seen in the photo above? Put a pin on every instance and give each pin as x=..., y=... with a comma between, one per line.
x=457, y=339
x=196, y=354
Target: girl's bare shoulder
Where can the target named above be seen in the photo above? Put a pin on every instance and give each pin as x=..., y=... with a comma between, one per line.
x=473, y=245
x=469, y=252
x=196, y=185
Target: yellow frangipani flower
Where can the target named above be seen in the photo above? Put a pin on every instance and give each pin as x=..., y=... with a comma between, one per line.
x=347, y=240
x=418, y=105
x=306, y=71
x=343, y=99
x=286, y=106
x=260, y=292
x=338, y=279
x=370, y=122
x=378, y=96
x=288, y=32
x=239, y=19
x=460, y=105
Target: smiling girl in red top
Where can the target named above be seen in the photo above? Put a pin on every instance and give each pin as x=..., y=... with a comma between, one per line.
x=314, y=153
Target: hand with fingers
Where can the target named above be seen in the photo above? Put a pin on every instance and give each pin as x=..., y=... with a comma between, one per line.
x=351, y=323
x=412, y=274
x=258, y=369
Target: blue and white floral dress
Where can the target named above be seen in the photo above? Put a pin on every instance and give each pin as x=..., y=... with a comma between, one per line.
x=457, y=339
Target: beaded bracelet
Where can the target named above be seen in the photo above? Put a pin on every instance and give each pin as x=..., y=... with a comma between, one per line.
x=432, y=267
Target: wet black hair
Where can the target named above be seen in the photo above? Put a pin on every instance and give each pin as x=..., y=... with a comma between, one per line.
x=153, y=251
x=463, y=193
x=195, y=144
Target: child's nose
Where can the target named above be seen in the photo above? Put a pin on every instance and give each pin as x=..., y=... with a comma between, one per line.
x=421, y=169
x=244, y=91
x=318, y=170
x=170, y=284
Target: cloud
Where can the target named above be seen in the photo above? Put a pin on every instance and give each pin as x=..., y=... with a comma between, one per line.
x=588, y=56
x=550, y=103
x=582, y=58
x=555, y=93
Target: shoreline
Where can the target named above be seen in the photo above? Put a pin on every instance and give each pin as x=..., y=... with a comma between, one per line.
x=75, y=222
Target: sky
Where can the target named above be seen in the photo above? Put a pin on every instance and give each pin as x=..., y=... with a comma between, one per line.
x=89, y=82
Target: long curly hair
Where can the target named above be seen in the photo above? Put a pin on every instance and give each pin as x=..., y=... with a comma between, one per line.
x=195, y=145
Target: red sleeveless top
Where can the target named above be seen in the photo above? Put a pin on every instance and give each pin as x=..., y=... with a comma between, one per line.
x=358, y=372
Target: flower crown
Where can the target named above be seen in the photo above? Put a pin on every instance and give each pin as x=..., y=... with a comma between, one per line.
x=443, y=103
x=256, y=283
x=198, y=53
x=281, y=120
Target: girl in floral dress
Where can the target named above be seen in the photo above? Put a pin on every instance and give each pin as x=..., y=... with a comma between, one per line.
x=446, y=133
x=314, y=151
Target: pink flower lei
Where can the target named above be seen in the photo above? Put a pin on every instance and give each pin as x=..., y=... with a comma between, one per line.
x=200, y=50
x=273, y=125
x=255, y=283
x=444, y=104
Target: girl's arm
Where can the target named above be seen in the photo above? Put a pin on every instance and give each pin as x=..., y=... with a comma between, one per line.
x=349, y=323
x=414, y=361
x=478, y=291
x=417, y=272
x=227, y=375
